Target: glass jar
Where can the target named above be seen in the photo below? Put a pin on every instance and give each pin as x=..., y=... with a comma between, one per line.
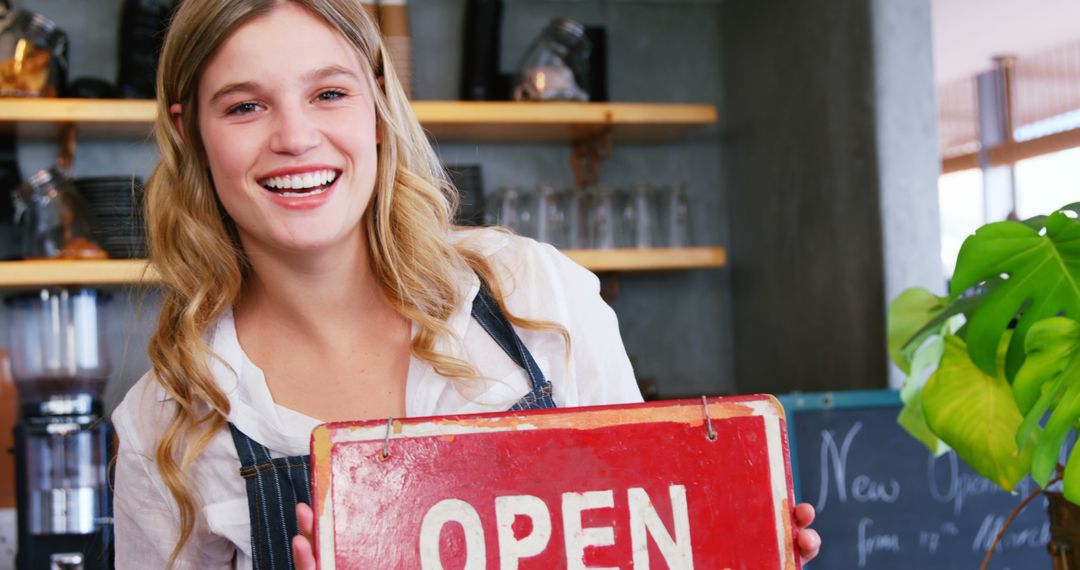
x=556, y=66
x=57, y=343
x=53, y=218
x=33, y=55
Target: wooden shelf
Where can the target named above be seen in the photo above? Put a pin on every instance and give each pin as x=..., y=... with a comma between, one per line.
x=112, y=118
x=20, y=274
x=444, y=120
x=659, y=259
x=14, y=274
x=545, y=122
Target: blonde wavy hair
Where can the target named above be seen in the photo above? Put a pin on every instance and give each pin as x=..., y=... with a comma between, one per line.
x=195, y=248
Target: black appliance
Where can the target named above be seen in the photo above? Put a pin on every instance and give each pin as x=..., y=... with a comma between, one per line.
x=63, y=443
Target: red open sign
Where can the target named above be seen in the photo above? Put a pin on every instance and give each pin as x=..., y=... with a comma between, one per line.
x=603, y=487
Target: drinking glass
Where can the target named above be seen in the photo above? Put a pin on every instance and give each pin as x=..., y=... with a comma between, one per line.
x=548, y=215
x=575, y=208
x=675, y=216
x=511, y=210
x=604, y=218
x=640, y=216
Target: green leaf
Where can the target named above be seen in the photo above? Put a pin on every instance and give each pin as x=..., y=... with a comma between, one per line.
x=1070, y=485
x=1074, y=208
x=1028, y=431
x=1051, y=345
x=912, y=418
x=909, y=313
x=1050, y=377
x=976, y=415
x=1036, y=223
x=1053, y=437
x=1043, y=281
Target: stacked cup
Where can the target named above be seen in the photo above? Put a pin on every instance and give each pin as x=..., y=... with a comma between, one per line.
x=601, y=217
x=115, y=207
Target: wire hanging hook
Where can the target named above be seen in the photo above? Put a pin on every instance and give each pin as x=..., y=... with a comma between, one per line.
x=708, y=420
x=385, y=453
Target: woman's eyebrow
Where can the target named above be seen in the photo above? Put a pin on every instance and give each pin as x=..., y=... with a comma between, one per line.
x=329, y=71
x=230, y=88
x=314, y=75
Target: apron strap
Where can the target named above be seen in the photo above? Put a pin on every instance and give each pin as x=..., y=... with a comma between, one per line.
x=487, y=313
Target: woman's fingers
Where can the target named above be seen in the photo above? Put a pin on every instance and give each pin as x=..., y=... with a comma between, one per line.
x=305, y=519
x=808, y=540
x=303, y=553
x=804, y=514
x=303, y=557
x=809, y=544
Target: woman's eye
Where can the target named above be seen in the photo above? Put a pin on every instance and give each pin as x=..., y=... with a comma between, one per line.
x=330, y=95
x=241, y=109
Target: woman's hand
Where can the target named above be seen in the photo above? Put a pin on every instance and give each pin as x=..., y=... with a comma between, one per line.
x=807, y=539
x=304, y=554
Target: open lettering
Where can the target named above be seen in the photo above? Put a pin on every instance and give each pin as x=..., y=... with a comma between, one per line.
x=673, y=542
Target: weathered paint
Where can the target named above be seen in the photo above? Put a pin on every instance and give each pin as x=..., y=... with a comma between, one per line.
x=320, y=455
x=736, y=489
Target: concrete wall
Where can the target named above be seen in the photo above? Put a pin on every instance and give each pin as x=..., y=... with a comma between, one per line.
x=907, y=148
x=676, y=326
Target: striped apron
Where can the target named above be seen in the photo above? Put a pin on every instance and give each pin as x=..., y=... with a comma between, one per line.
x=275, y=485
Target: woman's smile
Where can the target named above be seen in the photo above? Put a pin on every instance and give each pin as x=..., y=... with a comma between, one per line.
x=301, y=188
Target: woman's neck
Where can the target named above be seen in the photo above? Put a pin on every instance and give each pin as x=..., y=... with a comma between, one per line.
x=328, y=342
x=312, y=292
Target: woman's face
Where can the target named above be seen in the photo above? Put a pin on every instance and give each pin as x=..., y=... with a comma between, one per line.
x=288, y=122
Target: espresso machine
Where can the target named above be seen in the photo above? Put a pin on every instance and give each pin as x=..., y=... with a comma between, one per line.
x=63, y=442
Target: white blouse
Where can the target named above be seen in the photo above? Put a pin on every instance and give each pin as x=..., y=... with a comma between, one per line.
x=539, y=283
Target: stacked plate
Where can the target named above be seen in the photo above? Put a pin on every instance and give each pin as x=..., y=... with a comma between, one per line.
x=115, y=207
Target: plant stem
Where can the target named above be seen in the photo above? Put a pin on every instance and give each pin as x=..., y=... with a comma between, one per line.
x=1012, y=516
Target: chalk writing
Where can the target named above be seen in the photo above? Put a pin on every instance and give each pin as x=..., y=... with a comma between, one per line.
x=931, y=540
x=957, y=485
x=871, y=543
x=1030, y=537
x=834, y=468
x=865, y=490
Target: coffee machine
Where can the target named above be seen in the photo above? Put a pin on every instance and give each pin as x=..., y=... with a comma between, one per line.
x=63, y=442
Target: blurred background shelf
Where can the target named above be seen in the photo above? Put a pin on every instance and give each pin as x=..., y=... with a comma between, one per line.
x=659, y=259
x=109, y=272
x=449, y=120
x=32, y=273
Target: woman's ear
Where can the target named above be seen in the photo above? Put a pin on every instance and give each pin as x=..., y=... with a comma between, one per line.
x=175, y=113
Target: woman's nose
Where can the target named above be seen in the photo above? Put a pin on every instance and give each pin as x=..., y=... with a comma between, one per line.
x=295, y=132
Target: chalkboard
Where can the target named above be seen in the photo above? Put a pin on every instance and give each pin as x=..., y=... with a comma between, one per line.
x=883, y=501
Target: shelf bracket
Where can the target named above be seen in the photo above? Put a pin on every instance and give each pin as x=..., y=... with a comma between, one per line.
x=66, y=159
x=589, y=155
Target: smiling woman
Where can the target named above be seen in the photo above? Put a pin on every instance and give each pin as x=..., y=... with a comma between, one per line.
x=300, y=222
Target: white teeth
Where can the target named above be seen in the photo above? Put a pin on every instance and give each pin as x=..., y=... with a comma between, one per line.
x=314, y=192
x=299, y=181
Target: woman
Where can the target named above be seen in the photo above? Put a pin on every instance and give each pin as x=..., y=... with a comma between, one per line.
x=301, y=225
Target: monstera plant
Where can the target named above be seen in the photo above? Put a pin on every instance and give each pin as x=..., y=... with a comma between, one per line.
x=993, y=369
